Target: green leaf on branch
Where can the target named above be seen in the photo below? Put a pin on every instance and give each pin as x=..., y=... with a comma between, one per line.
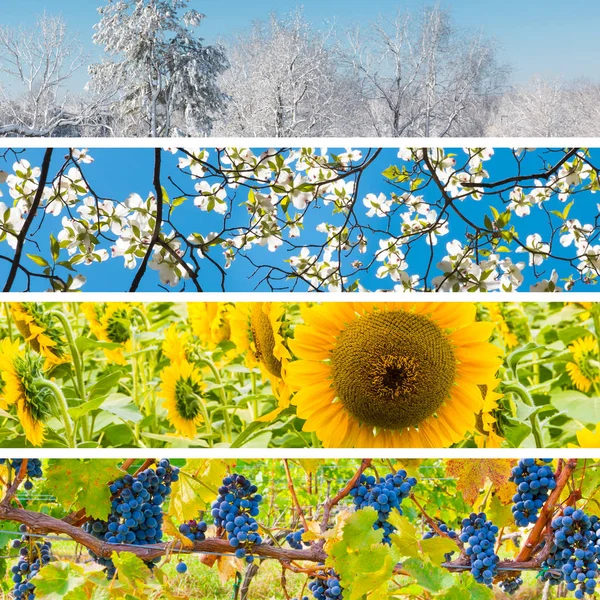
x=38, y=260
x=362, y=561
x=467, y=587
x=78, y=484
x=57, y=579
x=410, y=543
x=434, y=579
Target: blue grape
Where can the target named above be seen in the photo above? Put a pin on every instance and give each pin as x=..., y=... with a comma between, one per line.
x=325, y=587
x=510, y=585
x=34, y=469
x=479, y=536
x=234, y=510
x=294, y=539
x=535, y=480
x=136, y=511
x=33, y=555
x=181, y=567
x=391, y=490
x=575, y=551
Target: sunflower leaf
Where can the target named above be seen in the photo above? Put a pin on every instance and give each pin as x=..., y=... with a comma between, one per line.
x=512, y=360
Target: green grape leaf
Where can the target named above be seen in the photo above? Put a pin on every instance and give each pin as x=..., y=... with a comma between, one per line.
x=131, y=569
x=432, y=578
x=362, y=561
x=467, y=587
x=78, y=484
x=56, y=579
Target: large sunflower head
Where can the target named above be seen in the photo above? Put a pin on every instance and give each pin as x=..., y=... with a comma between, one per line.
x=175, y=344
x=40, y=331
x=20, y=369
x=181, y=390
x=257, y=330
x=210, y=322
x=584, y=367
x=111, y=322
x=391, y=374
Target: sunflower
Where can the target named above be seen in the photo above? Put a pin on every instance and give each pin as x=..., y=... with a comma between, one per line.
x=39, y=331
x=110, y=322
x=19, y=370
x=496, y=315
x=175, y=344
x=257, y=330
x=486, y=436
x=587, y=438
x=391, y=374
x=181, y=390
x=210, y=322
x=584, y=368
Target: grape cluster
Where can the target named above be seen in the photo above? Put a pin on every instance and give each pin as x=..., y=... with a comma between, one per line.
x=194, y=530
x=431, y=533
x=136, y=510
x=328, y=588
x=294, y=539
x=479, y=536
x=383, y=496
x=510, y=585
x=234, y=511
x=534, y=480
x=34, y=469
x=575, y=553
x=33, y=555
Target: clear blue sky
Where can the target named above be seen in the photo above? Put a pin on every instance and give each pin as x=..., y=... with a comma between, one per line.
x=549, y=37
x=116, y=173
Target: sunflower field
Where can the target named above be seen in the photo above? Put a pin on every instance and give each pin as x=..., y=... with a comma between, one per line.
x=344, y=529
x=293, y=375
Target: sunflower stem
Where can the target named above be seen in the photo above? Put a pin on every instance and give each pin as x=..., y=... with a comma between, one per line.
x=521, y=391
x=596, y=319
x=9, y=321
x=77, y=364
x=226, y=417
x=63, y=408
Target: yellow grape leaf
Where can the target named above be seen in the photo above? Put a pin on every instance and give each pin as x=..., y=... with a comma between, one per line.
x=313, y=532
x=406, y=538
x=500, y=514
x=472, y=475
x=196, y=488
x=227, y=567
x=333, y=534
x=437, y=547
x=309, y=465
x=172, y=530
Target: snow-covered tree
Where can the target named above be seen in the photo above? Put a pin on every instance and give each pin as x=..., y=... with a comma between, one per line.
x=546, y=107
x=164, y=76
x=421, y=76
x=284, y=81
x=36, y=64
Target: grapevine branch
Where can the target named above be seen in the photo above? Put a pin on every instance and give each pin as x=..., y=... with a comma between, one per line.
x=45, y=524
